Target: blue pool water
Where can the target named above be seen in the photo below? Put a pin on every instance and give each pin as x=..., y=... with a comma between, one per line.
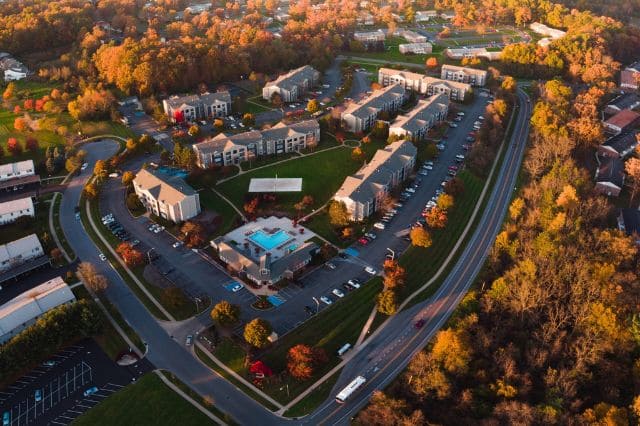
x=172, y=171
x=293, y=247
x=269, y=241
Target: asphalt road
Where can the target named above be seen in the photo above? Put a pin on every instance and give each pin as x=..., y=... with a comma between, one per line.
x=386, y=354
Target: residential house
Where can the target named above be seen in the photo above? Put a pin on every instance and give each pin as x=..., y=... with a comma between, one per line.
x=422, y=84
x=549, y=33
x=416, y=48
x=425, y=15
x=471, y=76
x=361, y=116
x=14, y=176
x=192, y=108
x=24, y=309
x=12, y=210
x=472, y=52
x=629, y=223
x=426, y=114
x=619, y=146
x=630, y=77
x=292, y=85
x=370, y=37
x=363, y=192
x=196, y=9
x=622, y=121
x=168, y=197
x=282, y=16
x=622, y=102
x=18, y=252
x=224, y=150
x=413, y=37
x=609, y=176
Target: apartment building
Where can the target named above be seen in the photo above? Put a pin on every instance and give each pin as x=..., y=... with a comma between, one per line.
x=12, y=68
x=619, y=146
x=473, y=52
x=16, y=170
x=415, y=48
x=19, y=252
x=363, y=192
x=467, y=75
x=622, y=121
x=168, y=197
x=425, y=15
x=630, y=76
x=226, y=149
x=292, y=85
x=365, y=18
x=413, y=37
x=427, y=113
x=370, y=37
x=191, y=108
x=360, y=116
x=422, y=84
x=12, y=210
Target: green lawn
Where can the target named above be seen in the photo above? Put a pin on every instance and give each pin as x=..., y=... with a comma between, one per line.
x=256, y=105
x=25, y=226
x=147, y=402
x=317, y=396
x=212, y=201
x=59, y=231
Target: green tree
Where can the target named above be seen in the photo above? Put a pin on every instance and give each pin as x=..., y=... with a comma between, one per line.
x=257, y=333
x=225, y=313
x=338, y=214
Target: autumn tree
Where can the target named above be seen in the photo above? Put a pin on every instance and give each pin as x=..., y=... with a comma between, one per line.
x=193, y=234
x=420, y=237
x=130, y=255
x=127, y=178
x=9, y=91
x=357, y=154
x=251, y=206
x=194, y=130
x=31, y=144
x=384, y=410
x=257, y=333
x=302, y=361
x=387, y=302
x=101, y=169
x=509, y=84
x=90, y=190
x=632, y=167
x=92, y=104
x=436, y=218
x=338, y=213
x=452, y=349
x=312, y=106
x=445, y=201
x=14, y=146
x=248, y=119
x=225, y=313
x=20, y=124
x=431, y=62
x=89, y=275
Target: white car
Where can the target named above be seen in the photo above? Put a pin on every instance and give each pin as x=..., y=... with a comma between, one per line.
x=102, y=257
x=157, y=230
x=379, y=225
x=423, y=173
x=411, y=190
x=460, y=157
x=369, y=270
x=237, y=287
x=453, y=125
x=337, y=292
x=326, y=300
x=354, y=283
x=460, y=114
x=84, y=166
x=177, y=244
x=330, y=265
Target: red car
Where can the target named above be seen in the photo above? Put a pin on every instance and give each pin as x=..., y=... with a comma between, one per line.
x=453, y=167
x=419, y=323
x=363, y=241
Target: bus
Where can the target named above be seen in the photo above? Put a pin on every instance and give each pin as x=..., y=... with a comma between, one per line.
x=350, y=389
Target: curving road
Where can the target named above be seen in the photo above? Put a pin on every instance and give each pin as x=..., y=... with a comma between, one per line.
x=379, y=359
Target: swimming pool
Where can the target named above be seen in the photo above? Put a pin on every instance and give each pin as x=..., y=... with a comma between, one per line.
x=269, y=241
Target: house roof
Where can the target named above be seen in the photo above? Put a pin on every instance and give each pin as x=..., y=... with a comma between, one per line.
x=15, y=248
x=168, y=189
x=631, y=221
x=625, y=101
x=623, y=143
x=16, y=205
x=465, y=70
x=20, y=167
x=623, y=119
x=611, y=171
x=176, y=102
x=33, y=303
x=365, y=184
x=294, y=77
x=634, y=67
x=374, y=103
x=429, y=81
x=423, y=113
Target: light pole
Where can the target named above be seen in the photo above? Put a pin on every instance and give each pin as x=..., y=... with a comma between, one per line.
x=393, y=253
x=317, y=304
x=149, y=254
x=287, y=386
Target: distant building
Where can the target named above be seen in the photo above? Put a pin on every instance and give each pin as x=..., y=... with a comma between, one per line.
x=629, y=223
x=630, y=76
x=426, y=114
x=224, y=150
x=413, y=37
x=196, y=9
x=622, y=102
x=551, y=33
x=12, y=68
x=191, y=108
x=619, y=146
x=24, y=309
x=471, y=76
x=609, y=176
x=19, y=252
x=370, y=37
x=365, y=18
x=448, y=15
x=360, y=116
x=416, y=48
x=292, y=85
x=474, y=52
x=282, y=17
x=622, y=121
x=363, y=192
x=168, y=197
x=422, y=84
x=12, y=210
x=16, y=170
x=425, y=15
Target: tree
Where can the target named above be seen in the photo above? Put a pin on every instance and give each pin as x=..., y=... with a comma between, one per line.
x=257, y=333
x=88, y=274
x=101, y=169
x=312, y=106
x=9, y=91
x=357, y=154
x=632, y=167
x=251, y=206
x=92, y=104
x=90, y=191
x=384, y=410
x=50, y=165
x=20, y=124
x=338, y=214
x=32, y=144
x=276, y=100
x=133, y=202
x=509, y=84
x=393, y=276
x=132, y=145
x=193, y=234
x=436, y=218
x=347, y=232
x=248, y=119
x=14, y=147
x=387, y=302
x=130, y=255
x=194, y=130
x=127, y=178
x=225, y=313
x=420, y=237
x=218, y=123
x=303, y=359
x=431, y=62
x=72, y=163
x=445, y=201
x=56, y=254
x=452, y=349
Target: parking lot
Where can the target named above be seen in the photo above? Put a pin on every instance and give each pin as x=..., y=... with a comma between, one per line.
x=58, y=385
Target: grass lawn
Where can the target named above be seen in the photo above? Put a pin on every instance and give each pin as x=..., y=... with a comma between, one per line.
x=25, y=226
x=212, y=201
x=322, y=175
x=314, y=399
x=147, y=402
x=95, y=128
x=59, y=231
x=329, y=330
x=256, y=105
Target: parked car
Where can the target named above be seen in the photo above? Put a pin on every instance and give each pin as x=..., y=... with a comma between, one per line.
x=49, y=363
x=102, y=257
x=84, y=166
x=453, y=125
x=363, y=241
x=189, y=340
x=369, y=270
x=371, y=235
x=177, y=244
x=379, y=225
x=460, y=114
x=6, y=419
x=326, y=300
x=38, y=395
x=237, y=287
x=90, y=391
x=337, y=292
x=427, y=167
x=354, y=283
x=330, y=265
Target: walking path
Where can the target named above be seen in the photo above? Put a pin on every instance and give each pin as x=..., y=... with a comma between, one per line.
x=244, y=218
x=192, y=401
x=367, y=326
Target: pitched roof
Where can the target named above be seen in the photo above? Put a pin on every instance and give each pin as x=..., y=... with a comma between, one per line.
x=429, y=81
x=192, y=100
x=465, y=70
x=623, y=143
x=16, y=248
x=611, y=170
x=633, y=67
x=19, y=167
x=16, y=205
x=374, y=103
x=623, y=119
x=423, y=113
x=168, y=189
x=625, y=101
x=294, y=77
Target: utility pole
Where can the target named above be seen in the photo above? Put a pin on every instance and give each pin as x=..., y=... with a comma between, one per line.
x=317, y=304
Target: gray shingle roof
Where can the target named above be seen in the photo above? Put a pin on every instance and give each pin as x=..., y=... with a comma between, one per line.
x=207, y=98
x=376, y=101
x=294, y=77
x=611, y=170
x=423, y=113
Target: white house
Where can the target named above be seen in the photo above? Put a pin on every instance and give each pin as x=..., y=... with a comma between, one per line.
x=425, y=15
x=18, y=252
x=367, y=37
x=12, y=210
x=191, y=108
x=422, y=84
x=12, y=68
x=169, y=197
x=415, y=48
x=471, y=76
x=16, y=170
x=413, y=37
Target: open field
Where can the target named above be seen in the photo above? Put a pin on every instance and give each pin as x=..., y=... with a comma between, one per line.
x=212, y=201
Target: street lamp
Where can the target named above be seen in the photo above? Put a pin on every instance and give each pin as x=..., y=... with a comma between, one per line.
x=317, y=304
x=393, y=253
x=287, y=386
x=149, y=254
